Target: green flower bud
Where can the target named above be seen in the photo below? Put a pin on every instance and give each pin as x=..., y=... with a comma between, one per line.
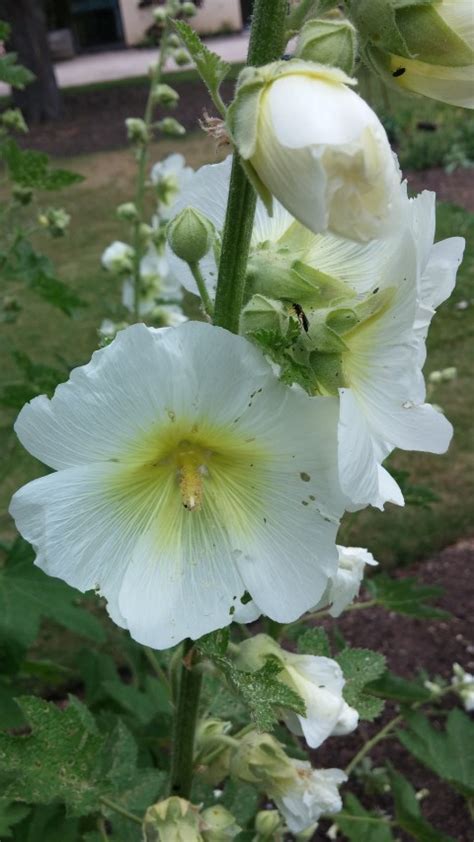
x=174, y=40
x=190, y=235
x=146, y=233
x=181, y=57
x=173, y=820
x=12, y=119
x=127, y=212
x=213, y=763
x=260, y=760
x=56, y=220
x=171, y=127
x=218, y=825
x=188, y=10
x=160, y=14
x=269, y=826
x=137, y=131
x=22, y=195
x=165, y=95
x=332, y=42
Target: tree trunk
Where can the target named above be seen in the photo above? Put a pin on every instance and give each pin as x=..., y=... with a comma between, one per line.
x=41, y=100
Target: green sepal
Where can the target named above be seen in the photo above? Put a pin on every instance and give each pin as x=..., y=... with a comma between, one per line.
x=430, y=39
x=375, y=21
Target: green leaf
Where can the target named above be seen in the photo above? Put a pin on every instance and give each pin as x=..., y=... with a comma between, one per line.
x=390, y=686
x=360, y=667
x=241, y=800
x=12, y=73
x=260, y=691
x=10, y=814
x=408, y=812
x=358, y=824
x=26, y=265
x=27, y=595
x=65, y=757
x=143, y=704
x=32, y=169
x=215, y=644
x=414, y=495
x=10, y=713
x=406, y=596
x=314, y=642
x=449, y=753
x=211, y=68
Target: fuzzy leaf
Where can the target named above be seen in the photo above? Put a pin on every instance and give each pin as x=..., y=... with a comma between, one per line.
x=449, y=753
x=260, y=691
x=351, y=822
x=10, y=814
x=27, y=596
x=143, y=704
x=29, y=168
x=406, y=596
x=390, y=686
x=211, y=68
x=26, y=265
x=360, y=667
x=314, y=642
x=408, y=812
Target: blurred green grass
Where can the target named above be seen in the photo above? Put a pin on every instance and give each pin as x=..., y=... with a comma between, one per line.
x=396, y=536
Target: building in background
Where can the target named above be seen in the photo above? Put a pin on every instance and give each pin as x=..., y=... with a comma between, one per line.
x=80, y=25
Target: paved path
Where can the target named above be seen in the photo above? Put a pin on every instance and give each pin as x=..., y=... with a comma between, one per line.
x=132, y=63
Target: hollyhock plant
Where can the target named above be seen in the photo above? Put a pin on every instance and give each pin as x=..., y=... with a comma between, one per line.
x=177, y=487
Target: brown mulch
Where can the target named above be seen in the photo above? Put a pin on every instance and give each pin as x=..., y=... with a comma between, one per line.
x=411, y=645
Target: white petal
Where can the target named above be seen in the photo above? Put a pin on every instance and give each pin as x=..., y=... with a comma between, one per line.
x=439, y=275
x=458, y=14
x=453, y=85
x=358, y=465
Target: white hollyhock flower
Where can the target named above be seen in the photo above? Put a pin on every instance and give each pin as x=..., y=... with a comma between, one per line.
x=312, y=792
x=315, y=145
x=463, y=682
x=170, y=176
x=440, y=38
x=345, y=585
x=403, y=278
x=157, y=283
x=185, y=475
x=318, y=680
x=118, y=258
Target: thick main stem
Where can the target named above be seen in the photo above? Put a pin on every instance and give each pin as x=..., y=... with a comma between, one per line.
x=267, y=41
x=185, y=725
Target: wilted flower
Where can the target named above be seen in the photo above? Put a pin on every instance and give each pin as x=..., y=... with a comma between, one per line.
x=345, y=585
x=312, y=792
x=317, y=680
x=177, y=486
x=218, y=825
x=173, y=820
x=315, y=145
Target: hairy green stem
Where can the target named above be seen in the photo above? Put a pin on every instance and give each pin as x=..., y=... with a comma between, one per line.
x=142, y=159
x=185, y=725
x=201, y=285
x=267, y=41
x=117, y=808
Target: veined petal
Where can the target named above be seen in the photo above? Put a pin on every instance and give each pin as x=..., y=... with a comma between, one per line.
x=458, y=14
x=454, y=85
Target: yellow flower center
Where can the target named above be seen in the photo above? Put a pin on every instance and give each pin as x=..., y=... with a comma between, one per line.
x=191, y=464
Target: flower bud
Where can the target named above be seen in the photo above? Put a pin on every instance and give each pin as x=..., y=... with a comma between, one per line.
x=174, y=40
x=269, y=826
x=435, y=377
x=260, y=760
x=213, y=765
x=171, y=127
x=160, y=14
x=332, y=42
x=188, y=9
x=173, y=820
x=137, y=131
x=427, y=48
x=218, y=825
x=314, y=144
x=449, y=373
x=56, y=220
x=262, y=313
x=190, y=235
x=12, y=119
x=127, y=212
x=181, y=57
x=463, y=683
x=165, y=95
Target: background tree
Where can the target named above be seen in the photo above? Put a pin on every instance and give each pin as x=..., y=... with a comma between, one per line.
x=41, y=100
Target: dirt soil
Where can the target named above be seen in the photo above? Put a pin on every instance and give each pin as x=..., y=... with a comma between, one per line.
x=411, y=645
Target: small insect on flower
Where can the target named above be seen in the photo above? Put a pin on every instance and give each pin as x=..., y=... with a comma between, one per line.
x=177, y=489
x=301, y=316
x=399, y=72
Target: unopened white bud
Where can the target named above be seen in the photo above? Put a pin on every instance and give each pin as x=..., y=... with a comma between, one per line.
x=137, y=131
x=165, y=95
x=127, y=212
x=171, y=127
